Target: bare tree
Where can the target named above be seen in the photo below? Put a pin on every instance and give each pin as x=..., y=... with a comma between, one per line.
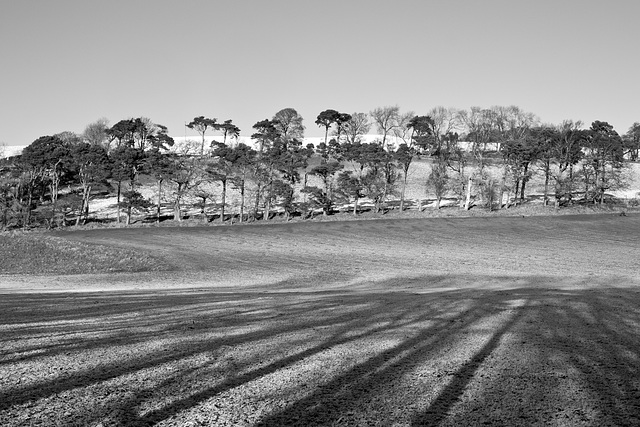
x=96, y=133
x=445, y=122
x=355, y=128
x=403, y=129
x=385, y=119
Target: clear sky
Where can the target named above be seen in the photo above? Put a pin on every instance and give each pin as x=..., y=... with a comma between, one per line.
x=67, y=63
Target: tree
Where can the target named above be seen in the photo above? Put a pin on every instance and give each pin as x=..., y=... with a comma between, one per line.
x=356, y=127
x=122, y=133
x=44, y=159
x=403, y=132
x=92, y=166
x=283, y=194
x=350, y=187
x=126, y=163
x=438, y=180
x=404, y=156
x=266, y=134
x=288, y=122
x=185, y=175
x=482, y=131
x=243, y=161
x=420, y=139
x=229, y=130
x=421, y=132
x=160, y=139
x=456, y=159
x=493, y=127
x=444, y=121
x=326, y=119
x=221, y=169
x=385, y=119
x=324, y=197
x=520, y=154
x=380, y=175
x=341, y=120
x=546, y=138
x=161, y=167
x=10, y=192
x=201, y=124
x=603, y=160
x=96, y=133
x=132, y=200
x=631, y=142
x=287, y=157
x=567, y=152
x=69, y=138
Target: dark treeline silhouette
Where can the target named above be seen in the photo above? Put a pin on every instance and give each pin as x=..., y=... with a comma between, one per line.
x=482, y=157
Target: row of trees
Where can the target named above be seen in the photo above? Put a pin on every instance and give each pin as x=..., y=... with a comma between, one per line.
x=476, y=155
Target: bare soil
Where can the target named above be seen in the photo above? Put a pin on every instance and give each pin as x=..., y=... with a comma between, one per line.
x=459, y=321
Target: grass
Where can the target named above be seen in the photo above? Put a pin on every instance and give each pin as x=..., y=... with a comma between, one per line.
x=444, y=321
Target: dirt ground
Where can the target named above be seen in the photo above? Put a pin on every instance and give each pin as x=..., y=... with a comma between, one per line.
x=462, y=321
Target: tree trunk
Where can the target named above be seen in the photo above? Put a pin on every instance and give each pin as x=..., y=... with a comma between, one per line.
x=467, y=203
x=86, y=206
x=267, y=209
x=547, y=173
x=224, y=199
x=404, y=186
x=118, y=201
x=438, y=199
x=242, y=201
x=27, y=219
x=602, y=186
x=177, y=214
x=355, y=206
x=570, y=192
x=524, y=182
x=515, y=191
x=158, y=207
x=306, y=176
x=81, y=212
x=257, y=204
x=128, y=216
x=84, y=209
x=176, y=210
x=503, y=184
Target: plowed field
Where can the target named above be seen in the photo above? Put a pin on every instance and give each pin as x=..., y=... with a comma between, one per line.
x=496, y=321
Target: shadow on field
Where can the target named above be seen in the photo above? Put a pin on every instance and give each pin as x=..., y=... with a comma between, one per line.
x=526, y=345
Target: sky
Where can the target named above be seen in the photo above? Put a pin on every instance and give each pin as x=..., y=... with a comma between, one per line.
x=67, y=63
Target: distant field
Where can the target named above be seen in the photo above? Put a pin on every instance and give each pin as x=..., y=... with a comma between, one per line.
x=444, y=321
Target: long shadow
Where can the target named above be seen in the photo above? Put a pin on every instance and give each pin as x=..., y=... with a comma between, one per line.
x=172, y=311
x=593, y=331
x=335, y=340
x=439, y=408
x=585, y=370
x=345, y=321
x=336, y=398
x=607, y=354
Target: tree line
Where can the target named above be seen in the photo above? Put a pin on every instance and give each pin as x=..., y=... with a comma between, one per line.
x=481, y=156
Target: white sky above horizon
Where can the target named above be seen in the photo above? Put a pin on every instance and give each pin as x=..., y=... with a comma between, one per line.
x=67, y=63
